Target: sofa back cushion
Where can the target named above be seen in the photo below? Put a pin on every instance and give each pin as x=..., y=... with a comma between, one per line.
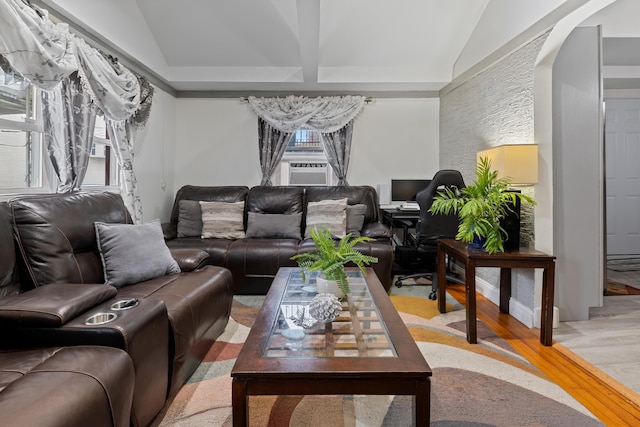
x=275, y=212
x=229, y=194
x=360, y=194
x=189, y=218
x=56, y=234
x=276, y=200
x=9, y=283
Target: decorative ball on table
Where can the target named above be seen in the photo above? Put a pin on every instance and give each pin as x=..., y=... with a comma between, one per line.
x=325, y=307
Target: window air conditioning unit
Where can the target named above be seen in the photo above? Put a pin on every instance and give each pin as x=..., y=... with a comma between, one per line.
x=309, y=173
x=98, y=150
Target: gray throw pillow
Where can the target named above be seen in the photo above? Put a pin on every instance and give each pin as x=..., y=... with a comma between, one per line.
x=274, y=226
x=222, y=220
x=331, y=214
x=355, y=219
x=189, y=218
x=133, y=253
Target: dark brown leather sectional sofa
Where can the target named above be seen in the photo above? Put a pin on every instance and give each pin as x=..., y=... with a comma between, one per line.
x=137, y=360
x=56, y=367
x=255, y=261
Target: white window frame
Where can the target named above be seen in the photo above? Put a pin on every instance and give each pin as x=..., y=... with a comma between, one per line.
x=45, y=173
x=114, y=168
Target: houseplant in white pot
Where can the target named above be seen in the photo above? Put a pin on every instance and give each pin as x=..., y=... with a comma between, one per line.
x=480, y=207
x=330, y=259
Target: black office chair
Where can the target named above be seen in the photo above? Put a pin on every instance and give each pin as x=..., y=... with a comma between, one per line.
x=430, y=227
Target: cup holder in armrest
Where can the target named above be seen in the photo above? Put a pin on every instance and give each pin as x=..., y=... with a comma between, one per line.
x=124, y=304
x=100, y=319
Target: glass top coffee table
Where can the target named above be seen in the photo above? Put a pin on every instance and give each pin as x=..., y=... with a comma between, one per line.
x=366, y=350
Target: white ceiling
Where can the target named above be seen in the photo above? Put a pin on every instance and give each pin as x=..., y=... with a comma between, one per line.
x=414, y=47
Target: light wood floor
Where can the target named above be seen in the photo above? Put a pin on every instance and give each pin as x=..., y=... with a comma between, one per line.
x=609, y=400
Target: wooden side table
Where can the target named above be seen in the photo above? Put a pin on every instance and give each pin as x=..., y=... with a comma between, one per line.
x=472, y=258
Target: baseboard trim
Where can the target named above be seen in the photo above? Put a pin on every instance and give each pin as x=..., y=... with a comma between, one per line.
x=523, y=314
x=517, y=310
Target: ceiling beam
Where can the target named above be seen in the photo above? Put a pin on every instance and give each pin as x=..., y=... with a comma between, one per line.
x=309, y=38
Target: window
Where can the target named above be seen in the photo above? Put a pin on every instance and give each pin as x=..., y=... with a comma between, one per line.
x=103, y=166
x=21, y=147
x=304, y=161
x=305, y=141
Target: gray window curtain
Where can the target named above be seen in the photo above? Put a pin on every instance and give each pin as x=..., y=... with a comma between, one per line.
x=337, y=147
x=69, y=120
x=332, y=116
x=272, y=143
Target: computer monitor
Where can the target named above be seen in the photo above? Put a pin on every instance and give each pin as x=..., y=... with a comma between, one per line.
x=405, y=190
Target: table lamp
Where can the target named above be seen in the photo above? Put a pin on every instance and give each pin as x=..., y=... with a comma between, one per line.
x=517, y=161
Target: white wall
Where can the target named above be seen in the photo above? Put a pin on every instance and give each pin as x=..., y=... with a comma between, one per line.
x=217, y=142
x=121, y=23
x=577, y=128
x=395, y=138
x=153, y=158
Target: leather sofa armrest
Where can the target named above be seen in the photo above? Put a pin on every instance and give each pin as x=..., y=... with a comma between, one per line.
x=376, y=230
x=52, y=305
x=189, y=258
x=169, y=230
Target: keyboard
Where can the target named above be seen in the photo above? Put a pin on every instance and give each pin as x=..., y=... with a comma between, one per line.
x=409, y=207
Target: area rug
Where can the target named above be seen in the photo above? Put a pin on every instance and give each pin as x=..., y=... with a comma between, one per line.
x=487, y=384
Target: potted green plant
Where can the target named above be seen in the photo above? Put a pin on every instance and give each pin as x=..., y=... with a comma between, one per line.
x=480, y=207
x=330, y=258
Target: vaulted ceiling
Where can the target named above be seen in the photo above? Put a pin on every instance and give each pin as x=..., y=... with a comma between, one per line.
x=411, y=47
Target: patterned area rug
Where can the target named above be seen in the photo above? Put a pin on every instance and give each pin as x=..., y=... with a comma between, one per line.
x=481, y=385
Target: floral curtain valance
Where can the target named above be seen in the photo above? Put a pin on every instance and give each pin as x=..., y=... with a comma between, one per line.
x=279, y=118
x=45, y=54
x=326, y=114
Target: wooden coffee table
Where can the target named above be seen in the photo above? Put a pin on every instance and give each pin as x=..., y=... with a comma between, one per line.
x=367, y=350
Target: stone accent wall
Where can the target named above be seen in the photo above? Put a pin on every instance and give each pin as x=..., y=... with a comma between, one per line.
x=493, y=108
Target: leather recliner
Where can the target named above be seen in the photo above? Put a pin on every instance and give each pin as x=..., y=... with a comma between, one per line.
x=177, y=317
x=56, y=386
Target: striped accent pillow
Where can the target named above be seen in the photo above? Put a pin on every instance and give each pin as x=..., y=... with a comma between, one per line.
x=222, y=220
x=331, y=214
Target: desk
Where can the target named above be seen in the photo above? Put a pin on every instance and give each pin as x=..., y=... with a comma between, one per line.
x=397, y=218
x=472, y=258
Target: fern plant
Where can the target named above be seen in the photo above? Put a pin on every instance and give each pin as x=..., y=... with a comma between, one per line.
x=480, y=207
x=331, y=257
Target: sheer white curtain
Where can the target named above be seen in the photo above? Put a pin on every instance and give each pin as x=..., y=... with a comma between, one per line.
x=47, y=54
x=330, y=115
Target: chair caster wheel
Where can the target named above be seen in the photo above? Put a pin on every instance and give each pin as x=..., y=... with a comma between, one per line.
x=398, y=284
x=433, y=296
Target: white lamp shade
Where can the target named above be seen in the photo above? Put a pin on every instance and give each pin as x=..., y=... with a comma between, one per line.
x=518, y=162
